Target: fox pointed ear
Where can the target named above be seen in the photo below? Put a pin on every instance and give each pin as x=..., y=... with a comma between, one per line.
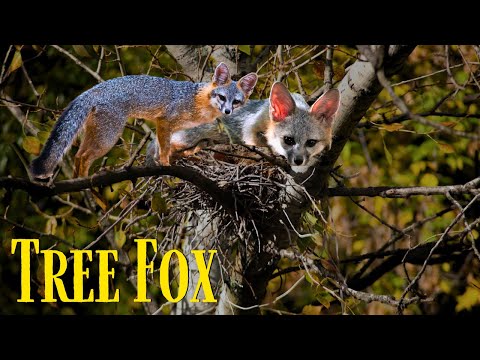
x=247, y=83
x=221, y=75
x=281, y=102
x=326, y=106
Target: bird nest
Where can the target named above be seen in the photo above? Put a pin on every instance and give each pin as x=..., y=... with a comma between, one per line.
x=254, y=184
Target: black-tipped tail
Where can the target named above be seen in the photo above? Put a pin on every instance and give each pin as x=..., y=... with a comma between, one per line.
x=61, y=138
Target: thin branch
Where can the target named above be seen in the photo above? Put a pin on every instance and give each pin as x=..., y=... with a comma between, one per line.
x=405, y=192
x=19, y=115
x=78, y=62
x=37, y=233
x=404, y=108
x=437, y=244
x=328, y=73
x=467, y=225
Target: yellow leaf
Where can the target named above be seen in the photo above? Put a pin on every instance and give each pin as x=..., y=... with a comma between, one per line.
x=428, y=180
x=358, y=246
x=31, y=145
x=392, y=127
x=446, y=148
x=312, y=310
x=468, y=299
x=120, y=238
x=81, y=50
x=16, y=62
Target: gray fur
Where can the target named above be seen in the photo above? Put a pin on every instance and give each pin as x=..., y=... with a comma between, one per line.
x=251, y=125
x=114, y=101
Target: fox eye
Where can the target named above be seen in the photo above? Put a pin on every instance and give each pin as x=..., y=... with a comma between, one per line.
x=289, y=140
x=236, y=102
x=311, y=143
x=221, y=97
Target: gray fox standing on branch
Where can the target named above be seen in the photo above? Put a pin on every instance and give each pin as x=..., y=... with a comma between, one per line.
x=102, y=112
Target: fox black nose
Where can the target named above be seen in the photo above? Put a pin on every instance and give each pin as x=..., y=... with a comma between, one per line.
x=227, y=111
x=298, y=161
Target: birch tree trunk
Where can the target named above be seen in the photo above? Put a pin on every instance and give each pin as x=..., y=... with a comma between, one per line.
x=253, y=269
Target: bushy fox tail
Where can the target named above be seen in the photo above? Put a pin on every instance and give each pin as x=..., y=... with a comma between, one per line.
x=61, y=138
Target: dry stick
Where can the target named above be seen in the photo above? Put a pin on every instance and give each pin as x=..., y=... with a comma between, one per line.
x=399, y=236
x=391, y=227
x=272, y=302
x=100, y=59
x=139, y=148
x=75, y=206
x=37, y=233
x=305, y=62
x=449, y=72
x=405, y=192
x=404, y=117
x=78, y=62
x=431, y=112
x=426, y=76
x=469, y=67
x=341, y=285
x=5, y=62
x=30, y=83
x=403, y=107
x=381, y=253
x=280, y=72
x=424, y=266
x=119, y=60
x=467, y=225
x=328, y=73
x=204, y=66
x=19, y=115
x=38, y=107
x=366, y=153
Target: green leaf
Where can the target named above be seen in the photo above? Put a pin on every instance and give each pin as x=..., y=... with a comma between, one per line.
x=324, y=301
x=120, y=238
x=159, y=204
x=245, y=49
x=31, y=145
x=428, y=180
x=388, y=156
x=311, y=218
x=16, y=62
x=42, y=136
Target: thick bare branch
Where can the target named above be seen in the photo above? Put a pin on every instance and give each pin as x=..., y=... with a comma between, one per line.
x=105, y=178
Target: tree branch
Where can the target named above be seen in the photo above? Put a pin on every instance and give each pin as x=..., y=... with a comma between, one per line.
x=105, y=178
x=405, y=192
x=358, y=89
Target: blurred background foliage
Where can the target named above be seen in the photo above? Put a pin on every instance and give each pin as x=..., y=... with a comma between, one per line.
x=38, y=81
